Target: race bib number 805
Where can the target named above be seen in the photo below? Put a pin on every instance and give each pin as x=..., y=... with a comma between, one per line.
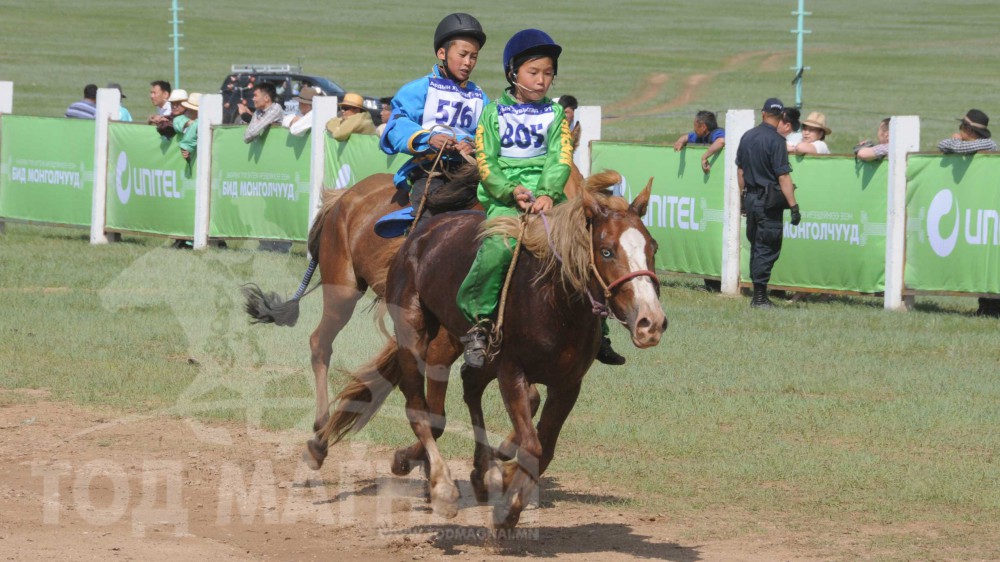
x=524, y=129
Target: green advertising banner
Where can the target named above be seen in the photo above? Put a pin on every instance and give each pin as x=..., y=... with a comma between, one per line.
x=840, y=243
x=151, y=188
x=261, y=189
x=685, y=209
x=953, y=223
x=47, y=169
x=349, y=162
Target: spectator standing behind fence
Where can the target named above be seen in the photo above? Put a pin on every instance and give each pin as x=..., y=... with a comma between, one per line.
x=706, y=131
x=165, y=125
x=301, y=124
x=85, y=108
x=974, y=136
x=814, y=133
x=123, y=113
x=763, y=174
x=788, y=127
x=189, y=135
x=569, y=105
x=354, y=119
x=159, y=94
x=868, y=151
x=267, y=112
x=384, y=113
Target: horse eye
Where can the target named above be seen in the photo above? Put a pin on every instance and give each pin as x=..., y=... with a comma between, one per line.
x=606, y=253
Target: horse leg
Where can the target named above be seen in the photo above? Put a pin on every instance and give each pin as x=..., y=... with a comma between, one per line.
x=474, y=383
x=508, y=448
x=558, y=404
x=444, y=493
x=441, y=354
x=518, y=475
x=339, y=301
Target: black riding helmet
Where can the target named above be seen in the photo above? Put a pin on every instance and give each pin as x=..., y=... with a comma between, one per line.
x=456, y=25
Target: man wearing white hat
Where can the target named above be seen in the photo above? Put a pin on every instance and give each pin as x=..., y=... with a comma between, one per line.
x=301, y=124
x=189, y=131
x=165, y=125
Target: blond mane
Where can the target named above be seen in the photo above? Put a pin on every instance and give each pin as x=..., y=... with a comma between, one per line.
x=567, y=229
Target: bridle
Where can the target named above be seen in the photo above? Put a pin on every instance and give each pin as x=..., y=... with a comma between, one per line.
x=610, y=288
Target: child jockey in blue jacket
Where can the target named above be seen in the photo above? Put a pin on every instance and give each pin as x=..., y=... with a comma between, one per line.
x=438, y=112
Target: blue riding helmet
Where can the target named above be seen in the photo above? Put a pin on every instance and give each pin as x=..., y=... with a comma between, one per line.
x=529, y=43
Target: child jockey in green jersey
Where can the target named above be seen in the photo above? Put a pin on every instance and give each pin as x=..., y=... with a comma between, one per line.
x=524, y=151
x=426, y=111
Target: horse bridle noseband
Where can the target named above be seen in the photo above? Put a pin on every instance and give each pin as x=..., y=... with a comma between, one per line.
x=610, y=288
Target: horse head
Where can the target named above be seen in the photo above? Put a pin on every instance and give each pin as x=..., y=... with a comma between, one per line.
x=622, y=263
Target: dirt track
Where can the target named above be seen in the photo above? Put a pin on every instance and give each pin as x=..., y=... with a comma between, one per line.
x=81, y=484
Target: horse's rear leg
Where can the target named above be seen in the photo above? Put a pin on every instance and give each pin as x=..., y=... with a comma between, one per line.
x=339, y=301
x=441, y=354
x=506, y=450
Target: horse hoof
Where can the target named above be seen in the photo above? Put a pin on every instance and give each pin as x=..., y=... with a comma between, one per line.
x=494, y=478
x=505, y=518
x=315, y=454
x=401, y=465
x=445, y=503
x=479, y=487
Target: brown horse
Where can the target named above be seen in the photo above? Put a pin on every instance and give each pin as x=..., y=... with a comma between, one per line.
x=351, y=259
x=551, y=333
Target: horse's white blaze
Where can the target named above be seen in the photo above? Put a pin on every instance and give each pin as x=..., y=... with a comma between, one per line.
x=634, y=244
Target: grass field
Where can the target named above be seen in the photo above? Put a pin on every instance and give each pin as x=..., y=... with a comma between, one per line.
x=650, y=63
x=834, y=415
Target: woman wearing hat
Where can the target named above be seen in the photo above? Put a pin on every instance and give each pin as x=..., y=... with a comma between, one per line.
x=814, y=132
x=973, y=135
x=353, y=119
x=188, y=125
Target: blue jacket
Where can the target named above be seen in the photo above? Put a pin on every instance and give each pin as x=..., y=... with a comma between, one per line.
x=409, y=131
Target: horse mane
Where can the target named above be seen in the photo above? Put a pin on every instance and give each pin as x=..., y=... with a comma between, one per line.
x=457, y=193
x=567, y=224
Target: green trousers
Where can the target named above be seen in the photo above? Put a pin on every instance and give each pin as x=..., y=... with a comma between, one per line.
x=479, y=294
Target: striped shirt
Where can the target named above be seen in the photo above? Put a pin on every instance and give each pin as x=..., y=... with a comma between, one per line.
x=956, y=146
x=83, y=109
x=262, y=120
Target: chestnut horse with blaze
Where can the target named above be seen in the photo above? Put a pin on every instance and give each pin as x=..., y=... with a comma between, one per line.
x=587, y=254
x=351, y=259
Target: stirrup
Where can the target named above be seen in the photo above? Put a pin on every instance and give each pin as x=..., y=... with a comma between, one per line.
x=476, y=342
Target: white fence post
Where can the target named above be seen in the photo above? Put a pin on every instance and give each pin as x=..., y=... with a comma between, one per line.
x=738, y=122
x=109, y=102
x=324, y=109
x=6, y=97
x=209, y=114
x=589, y=118
x=904, y=137
x=6, y=106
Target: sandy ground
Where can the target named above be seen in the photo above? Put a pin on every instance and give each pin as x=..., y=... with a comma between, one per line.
x=85, y=484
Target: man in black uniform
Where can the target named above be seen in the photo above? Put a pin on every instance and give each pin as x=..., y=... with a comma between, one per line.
x=767, y=190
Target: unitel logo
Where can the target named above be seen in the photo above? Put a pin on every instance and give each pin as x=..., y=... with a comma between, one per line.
x=144, y=181
x=982, y=226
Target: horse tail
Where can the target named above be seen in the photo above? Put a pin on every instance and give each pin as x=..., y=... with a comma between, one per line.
x=358, y=403
x=267, y=308
x=330, y=197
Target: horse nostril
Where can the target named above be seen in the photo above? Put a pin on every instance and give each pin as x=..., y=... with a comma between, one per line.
x=663, y=327
x=643, y=323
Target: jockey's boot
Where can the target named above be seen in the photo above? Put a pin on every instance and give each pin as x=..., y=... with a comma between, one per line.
x=607, y=355
x=760, y=299
x=476, y=341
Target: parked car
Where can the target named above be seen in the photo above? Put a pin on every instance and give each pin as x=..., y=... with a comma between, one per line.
x=288, y=80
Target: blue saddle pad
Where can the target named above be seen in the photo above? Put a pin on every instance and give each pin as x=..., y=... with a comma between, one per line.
x=395, y=223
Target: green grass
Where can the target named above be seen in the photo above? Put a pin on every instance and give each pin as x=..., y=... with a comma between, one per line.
x=834, y=415
x=868, y=59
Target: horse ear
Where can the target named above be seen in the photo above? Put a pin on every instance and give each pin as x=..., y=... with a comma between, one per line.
x=591, y=206
x=638, y=205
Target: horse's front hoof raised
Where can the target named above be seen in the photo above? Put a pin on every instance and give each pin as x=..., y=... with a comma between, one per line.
x=401, y=465
x=315, y=454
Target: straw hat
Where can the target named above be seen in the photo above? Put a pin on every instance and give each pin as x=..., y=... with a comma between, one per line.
x=816, y=120
x=180, y=94
x=353, y=100
x=192, y=102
